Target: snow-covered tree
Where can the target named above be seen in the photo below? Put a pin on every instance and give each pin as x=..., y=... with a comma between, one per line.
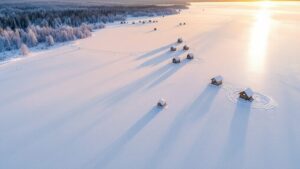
x=44, y=23
x=2, y=43
x=24, y=50
x=16, y=39
x=31, y=38
x=49, y=40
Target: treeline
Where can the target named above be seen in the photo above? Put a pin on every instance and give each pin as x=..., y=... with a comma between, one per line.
x=24, y=26
x=34, y=35
x=55, y=16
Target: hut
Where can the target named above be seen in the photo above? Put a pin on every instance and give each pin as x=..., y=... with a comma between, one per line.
x=247, y=94
x=179, y=40
x=173, y=48
x=185, y=47
x=190, y=56
x=162, y=103
x=218, y=80
x=155, y=29
x=176, y=59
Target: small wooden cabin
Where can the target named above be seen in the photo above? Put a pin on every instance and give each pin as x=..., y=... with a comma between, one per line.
x=190, y=56
x=176, y=60
x=173, y=48
x=218, y=80
x=162, y=103
x=247, y=94
x=179, y=40
x=185, y=47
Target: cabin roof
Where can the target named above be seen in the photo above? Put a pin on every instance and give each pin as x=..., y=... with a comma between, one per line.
x=162, y=101
x=218, y=78
x=248, y=92
x=176, y=57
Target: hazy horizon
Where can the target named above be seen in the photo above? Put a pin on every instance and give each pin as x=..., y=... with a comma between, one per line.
x=125, y=2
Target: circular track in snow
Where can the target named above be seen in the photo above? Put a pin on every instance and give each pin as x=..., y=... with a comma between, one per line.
x=260, y=101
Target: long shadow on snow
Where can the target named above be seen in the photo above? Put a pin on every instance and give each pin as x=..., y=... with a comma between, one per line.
x=164, y=76
x=155, y=51
x=160, y=58
x=49, y=84
x=194, y=112
x=122, y=93
x=56, y=124
x=52, y=127
x=107, y=100
x=106, y=156
x=233, y=154
x=150, y=80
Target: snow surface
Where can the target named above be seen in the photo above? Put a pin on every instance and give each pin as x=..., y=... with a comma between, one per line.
x=92, y=103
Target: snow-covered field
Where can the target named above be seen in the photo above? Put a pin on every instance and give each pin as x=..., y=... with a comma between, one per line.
x=92, y=103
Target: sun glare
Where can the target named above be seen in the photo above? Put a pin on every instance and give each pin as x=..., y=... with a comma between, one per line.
x=259, y=38
x=266, y=4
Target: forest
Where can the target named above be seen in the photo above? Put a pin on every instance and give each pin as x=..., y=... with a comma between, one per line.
x=25, y=26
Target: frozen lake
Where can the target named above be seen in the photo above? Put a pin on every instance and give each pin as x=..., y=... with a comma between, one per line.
x=91, y=104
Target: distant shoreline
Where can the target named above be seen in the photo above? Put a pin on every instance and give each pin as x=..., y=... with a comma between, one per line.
x=119, y=3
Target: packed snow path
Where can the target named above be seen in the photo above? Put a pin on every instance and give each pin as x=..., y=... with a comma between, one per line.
x=92, y=104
